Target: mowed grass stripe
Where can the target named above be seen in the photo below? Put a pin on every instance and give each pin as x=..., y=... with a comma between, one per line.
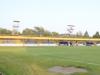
x=72, y=60
x=37, y=60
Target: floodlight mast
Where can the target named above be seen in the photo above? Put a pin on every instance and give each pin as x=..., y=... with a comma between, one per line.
x=15, y=27
x=70, y=29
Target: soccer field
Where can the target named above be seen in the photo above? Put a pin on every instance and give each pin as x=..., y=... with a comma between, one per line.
x=37, y=60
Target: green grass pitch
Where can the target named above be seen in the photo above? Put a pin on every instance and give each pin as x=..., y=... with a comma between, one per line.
x=37, y=60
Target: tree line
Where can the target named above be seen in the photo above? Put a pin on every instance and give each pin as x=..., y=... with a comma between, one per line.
x=40, y=31
x=36, y=31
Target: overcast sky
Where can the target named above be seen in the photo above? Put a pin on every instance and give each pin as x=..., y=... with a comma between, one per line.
x=53, y=15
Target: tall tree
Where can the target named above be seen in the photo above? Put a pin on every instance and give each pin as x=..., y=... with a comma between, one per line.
x=40, y=31
x=55, y=33
x=28, y=31
x=4, y=31
x=96, y=35
x=47, y=33
x=86, y=34
x=79, y=34
x=37, y=31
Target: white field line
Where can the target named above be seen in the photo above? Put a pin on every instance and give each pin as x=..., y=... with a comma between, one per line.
x=74, y=60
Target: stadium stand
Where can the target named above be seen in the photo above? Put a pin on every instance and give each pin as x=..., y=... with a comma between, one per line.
x=46, y=41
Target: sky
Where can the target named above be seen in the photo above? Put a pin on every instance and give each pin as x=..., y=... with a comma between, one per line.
x=53, y=15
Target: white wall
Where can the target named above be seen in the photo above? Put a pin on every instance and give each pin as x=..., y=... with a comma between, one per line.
x=28, y=45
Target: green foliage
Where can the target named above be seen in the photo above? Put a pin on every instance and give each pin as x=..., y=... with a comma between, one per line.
x=28, y=31
x=86, y=35
x=55, y=34
x=79, y=34
x=41, y=31
x=96, y=35
x=37, y=31
x=5, y=31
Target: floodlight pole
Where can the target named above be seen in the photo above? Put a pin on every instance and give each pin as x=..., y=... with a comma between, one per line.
x=70, y=29
x=15, y=27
